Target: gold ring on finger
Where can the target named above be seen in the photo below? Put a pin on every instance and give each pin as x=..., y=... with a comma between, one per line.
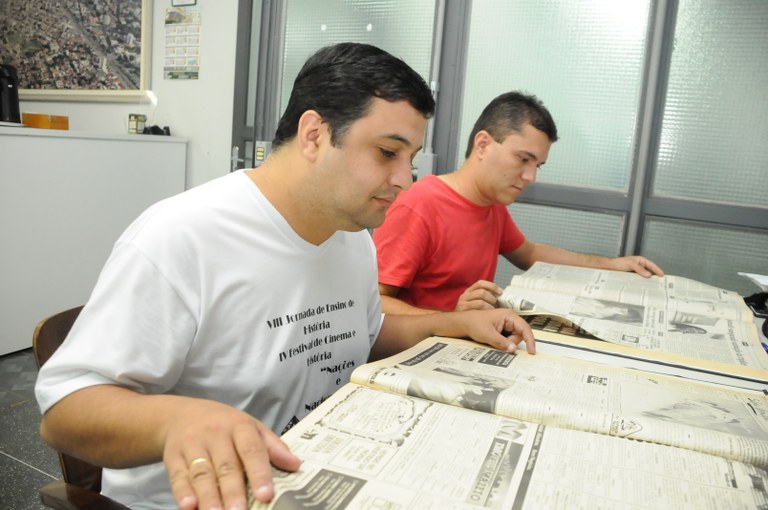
x=197, y=461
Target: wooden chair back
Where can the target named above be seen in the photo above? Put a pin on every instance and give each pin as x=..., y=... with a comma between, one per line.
x=48, y=336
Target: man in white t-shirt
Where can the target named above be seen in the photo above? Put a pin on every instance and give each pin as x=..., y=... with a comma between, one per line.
x=227, y=313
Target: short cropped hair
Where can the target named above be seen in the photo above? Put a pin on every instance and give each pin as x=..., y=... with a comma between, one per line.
x=340, y=81
x=509, y=113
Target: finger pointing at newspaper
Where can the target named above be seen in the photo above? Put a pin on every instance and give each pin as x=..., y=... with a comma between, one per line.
x=500, y=328
x=517, y=330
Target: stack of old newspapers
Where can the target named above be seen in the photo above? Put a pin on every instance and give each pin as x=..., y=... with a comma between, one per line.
x=453, y=424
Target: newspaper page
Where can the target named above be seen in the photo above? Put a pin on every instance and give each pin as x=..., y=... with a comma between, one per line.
x=366, y=449
x=574, y=394
x=669, y=314
x=760, y=280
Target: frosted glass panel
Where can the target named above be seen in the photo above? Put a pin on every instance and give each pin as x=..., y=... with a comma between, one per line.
x=402, y=27
x=715, y=123
x=583, y=59
x=707, y=254
x=580, y=231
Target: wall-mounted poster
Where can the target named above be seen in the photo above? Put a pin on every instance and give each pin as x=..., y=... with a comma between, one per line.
x=77, y=49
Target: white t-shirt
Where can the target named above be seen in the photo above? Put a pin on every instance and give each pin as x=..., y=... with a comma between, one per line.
x=211, y=294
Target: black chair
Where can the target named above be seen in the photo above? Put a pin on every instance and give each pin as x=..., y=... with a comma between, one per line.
x=80, y=486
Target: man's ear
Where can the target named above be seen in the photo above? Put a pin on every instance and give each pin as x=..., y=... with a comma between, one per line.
x=482, y=140
x=310, y=133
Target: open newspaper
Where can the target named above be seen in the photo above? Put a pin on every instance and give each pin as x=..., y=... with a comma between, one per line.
x=452, y=424
x=669, y=318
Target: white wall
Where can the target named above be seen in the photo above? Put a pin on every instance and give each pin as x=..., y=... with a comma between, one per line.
x=198, y=110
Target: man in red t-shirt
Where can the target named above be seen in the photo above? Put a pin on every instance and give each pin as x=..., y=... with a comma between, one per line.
x=440, y=242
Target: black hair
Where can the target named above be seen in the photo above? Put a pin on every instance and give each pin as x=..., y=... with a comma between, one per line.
x=339, y=82
x=509, y=113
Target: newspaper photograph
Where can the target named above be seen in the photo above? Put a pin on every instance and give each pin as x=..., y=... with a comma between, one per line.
x=367, y=449
x=569, y=393
x=667, y=314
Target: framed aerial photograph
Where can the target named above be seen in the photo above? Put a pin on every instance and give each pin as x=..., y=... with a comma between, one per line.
x=78, y=50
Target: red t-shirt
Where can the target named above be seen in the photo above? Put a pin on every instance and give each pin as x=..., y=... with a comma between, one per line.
x=435, y=243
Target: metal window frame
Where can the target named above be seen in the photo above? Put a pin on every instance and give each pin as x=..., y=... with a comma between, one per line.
x=268, y=73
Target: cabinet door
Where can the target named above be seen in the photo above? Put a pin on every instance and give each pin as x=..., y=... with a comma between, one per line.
x=64, y=200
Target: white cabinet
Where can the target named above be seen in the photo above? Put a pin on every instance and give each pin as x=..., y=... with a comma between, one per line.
x=65, y=197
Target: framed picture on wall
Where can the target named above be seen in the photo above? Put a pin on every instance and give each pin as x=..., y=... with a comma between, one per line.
x=78, y=50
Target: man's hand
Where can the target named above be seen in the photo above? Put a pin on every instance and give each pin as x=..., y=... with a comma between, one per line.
x=481, y=295
x=213, y=448
x=637, y=264
x=210, y=449
x=500, y=328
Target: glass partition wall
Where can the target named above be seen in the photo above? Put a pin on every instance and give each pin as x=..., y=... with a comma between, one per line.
x=591, y=81
x=706, y=211
x=404, y=28
x=660, y=109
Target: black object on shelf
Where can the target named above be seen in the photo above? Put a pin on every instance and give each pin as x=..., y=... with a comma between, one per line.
x=9, y=94
x=157, y=130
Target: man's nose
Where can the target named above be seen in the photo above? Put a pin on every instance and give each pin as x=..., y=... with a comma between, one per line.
x=402, y=177
x=529, y=173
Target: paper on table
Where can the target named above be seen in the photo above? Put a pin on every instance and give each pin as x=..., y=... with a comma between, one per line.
x=760, y=280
